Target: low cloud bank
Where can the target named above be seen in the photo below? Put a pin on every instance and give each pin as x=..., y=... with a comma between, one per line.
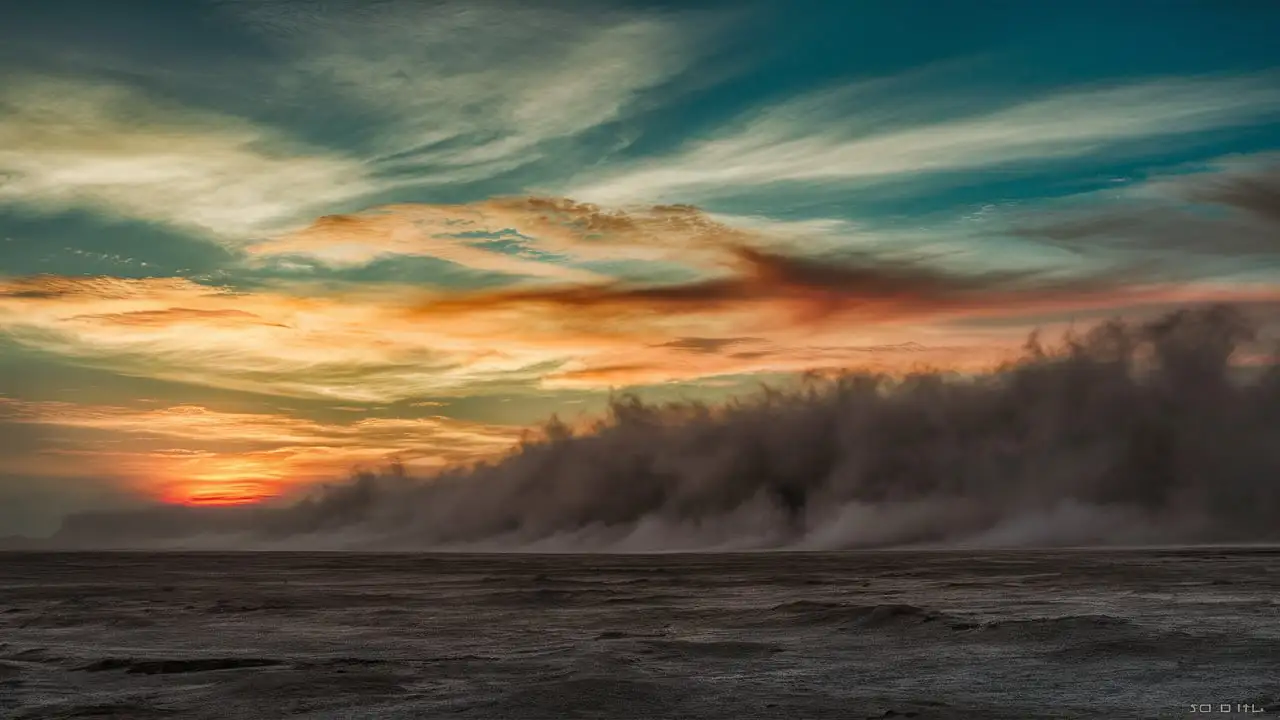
x=1162, y=432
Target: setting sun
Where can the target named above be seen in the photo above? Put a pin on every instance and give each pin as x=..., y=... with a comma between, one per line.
x=223, y=481
x=231, y=492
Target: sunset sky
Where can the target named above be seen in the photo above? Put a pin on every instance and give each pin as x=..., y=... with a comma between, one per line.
x=248, y=244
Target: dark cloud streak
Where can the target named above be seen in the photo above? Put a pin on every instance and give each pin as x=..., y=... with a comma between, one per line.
x=706, y=344
x=1256, y=193
x=814, y=289
x=1235, y=217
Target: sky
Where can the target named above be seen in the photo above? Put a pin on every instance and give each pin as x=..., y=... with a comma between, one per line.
x=247, y=245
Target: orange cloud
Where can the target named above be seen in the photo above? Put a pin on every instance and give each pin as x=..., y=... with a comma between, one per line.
x=70, y=288
x=385, y=343
x=179, y=316
x=561, y=227
x=666, y=363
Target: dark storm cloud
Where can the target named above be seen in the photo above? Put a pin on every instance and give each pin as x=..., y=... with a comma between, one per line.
x=1126, y=433
x=35, y=504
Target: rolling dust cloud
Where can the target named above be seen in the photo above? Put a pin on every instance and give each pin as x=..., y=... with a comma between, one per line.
x=1166, y=431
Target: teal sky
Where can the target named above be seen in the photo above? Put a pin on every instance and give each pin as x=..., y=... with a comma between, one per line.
x=245, y=245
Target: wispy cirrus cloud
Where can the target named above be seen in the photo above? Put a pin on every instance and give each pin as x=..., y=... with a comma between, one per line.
x=274, y=342
x=429, y=94
x=858, y=134
x=176, y=316
x=465, y=91
x=69, y=143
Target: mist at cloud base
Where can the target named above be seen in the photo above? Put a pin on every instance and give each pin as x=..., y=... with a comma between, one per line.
x=1125, y=434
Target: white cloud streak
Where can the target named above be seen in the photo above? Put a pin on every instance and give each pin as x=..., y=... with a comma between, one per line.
x=71, y=143
x=446, y=93
x=853, y=135
x=465, y=91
